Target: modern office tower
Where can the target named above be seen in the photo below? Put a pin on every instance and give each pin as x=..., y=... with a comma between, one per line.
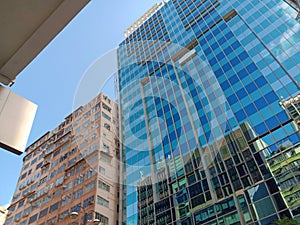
x=284, y=164
x=201, y=85
x=292, y=106
x=70, y=175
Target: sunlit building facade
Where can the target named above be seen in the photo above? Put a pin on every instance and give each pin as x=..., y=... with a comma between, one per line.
x=71, y=169
x=201, y=85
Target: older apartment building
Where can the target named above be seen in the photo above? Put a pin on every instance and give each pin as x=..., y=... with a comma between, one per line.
x=70, y=174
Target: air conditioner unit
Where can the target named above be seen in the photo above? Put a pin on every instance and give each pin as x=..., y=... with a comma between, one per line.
x=63, y=197
x=64, y=186
x=17, y=219
x=26, y=213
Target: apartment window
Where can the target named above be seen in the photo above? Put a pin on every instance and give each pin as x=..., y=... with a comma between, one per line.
x=65, y=156
x=107, y=126
x=106, y=107
x=83, y=144
x=76, y=208
x=26, y=211
x=49, y=150
x=80, y=168
x=101, y=170
x=39, y=165
x=63, y=215
x=26, y=166
x=52, y=174
x=79, y=180
x=97, y=107
x=9, y=220
x=53, y=207
x=97, y=115
x=105, y=147
x=21, y=204
x=32, y=218
x=88, y=201
x=65, y=147
x=24, y=222
x=18, y=216
x=12, y=208
x=105, y=158
x=60, y=134
x=43, y=180
x=71, y=173
x=73, y=151
x=90, y=186
x=94, y=136
x=56, y=153
x=43, y=213
x=57, y=193
x=65, y=201
x=21, y=186
x=28, y=157
x=87, y=114
x=61, y=169
x=69, y=186
x=78, y=193
x=33, y=161
x=102, y=201
x=90, y=173
x=59, y=181
x=68, y=128
x=103, y=219
x=103, y=186
x=72, y=162
x=106, y=116
x=23, y=176
x=54, y=163
x=51, y=221
x=41, y=156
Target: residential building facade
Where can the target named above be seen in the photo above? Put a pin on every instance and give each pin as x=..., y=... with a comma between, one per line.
x=73, y=168
x=201, y=85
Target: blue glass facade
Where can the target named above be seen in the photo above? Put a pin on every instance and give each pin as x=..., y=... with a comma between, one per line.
x=200, y=86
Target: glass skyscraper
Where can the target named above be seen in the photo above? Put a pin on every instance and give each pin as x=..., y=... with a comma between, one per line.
x=206, y=137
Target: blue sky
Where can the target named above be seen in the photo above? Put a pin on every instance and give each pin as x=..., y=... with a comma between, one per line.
x=51, y=80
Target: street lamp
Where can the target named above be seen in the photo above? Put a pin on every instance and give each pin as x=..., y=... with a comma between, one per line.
x=74, y=215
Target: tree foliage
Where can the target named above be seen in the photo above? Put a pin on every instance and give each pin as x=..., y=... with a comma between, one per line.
x=286, y=221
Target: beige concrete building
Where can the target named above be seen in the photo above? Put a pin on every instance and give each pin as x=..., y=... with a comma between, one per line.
x=3, y=213
x=70, y=174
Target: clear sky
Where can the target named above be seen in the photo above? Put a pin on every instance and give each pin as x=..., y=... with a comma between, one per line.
x=52, y=78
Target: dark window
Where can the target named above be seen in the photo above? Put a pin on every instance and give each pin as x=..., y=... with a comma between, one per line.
x=39, y=165
x=43, y=213
x=53, y=207
x=32, y=218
